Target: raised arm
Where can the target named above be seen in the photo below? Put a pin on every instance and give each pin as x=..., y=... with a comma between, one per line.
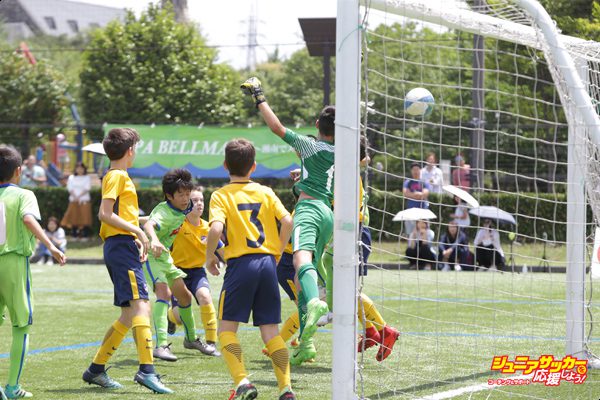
x=253, y=87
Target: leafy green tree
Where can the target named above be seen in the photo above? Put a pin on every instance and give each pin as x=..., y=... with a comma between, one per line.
x=580, y=18
x=152, y=69
x=32, y=98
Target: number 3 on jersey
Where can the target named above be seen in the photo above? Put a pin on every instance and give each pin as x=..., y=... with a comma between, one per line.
x=254, y=208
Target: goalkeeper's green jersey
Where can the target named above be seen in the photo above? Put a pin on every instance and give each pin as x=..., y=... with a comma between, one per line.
x=316, y=178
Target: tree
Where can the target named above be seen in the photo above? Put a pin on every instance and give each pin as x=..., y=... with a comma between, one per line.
x=153, y=69
x=32, y=98
x=580, y=18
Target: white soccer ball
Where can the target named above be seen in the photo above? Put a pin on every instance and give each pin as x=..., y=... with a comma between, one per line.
x=419, y=102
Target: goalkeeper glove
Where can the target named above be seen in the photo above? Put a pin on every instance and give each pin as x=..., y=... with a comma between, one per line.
x=253, y=87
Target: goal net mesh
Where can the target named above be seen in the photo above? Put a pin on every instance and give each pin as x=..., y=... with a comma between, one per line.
x=500, y=127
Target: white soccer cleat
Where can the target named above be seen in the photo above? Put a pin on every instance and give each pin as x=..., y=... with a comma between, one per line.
x=325, y=319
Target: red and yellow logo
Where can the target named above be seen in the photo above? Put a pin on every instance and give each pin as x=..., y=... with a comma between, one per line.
x=545, y=369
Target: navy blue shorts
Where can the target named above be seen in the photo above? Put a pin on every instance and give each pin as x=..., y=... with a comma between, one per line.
x=365, y=238
x=250, y=285
x=195, y=279
x=285, y=275
x=122, y=259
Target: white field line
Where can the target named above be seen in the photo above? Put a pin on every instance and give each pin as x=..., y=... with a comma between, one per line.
x=449, y=394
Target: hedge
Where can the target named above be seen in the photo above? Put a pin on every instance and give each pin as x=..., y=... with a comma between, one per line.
x=549, y=209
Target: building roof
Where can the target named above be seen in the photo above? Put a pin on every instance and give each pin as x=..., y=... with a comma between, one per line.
x=59, y=17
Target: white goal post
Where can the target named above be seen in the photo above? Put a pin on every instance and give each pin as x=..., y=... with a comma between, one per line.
x=568, y=60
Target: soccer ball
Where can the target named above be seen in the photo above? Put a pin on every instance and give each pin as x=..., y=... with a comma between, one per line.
x=419, y=102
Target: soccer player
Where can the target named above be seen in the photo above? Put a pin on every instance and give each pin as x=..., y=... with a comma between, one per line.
x=162, y=227
x=313, y=217
x=246, y=214
x=19, y=226
x=377, y=332
x=124, y=240
x=189, y=254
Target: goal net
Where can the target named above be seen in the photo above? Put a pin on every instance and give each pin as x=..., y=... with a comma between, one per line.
x=512, y=127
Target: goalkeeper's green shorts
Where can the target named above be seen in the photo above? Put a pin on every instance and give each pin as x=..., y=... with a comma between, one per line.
x=15, y=289
x=313, y=227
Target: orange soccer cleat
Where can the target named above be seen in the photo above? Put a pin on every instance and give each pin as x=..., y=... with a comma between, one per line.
x=370, y=339
x=388, y=336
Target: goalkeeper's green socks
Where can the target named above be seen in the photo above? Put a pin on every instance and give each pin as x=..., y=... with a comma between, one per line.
x=307, y=275
x=301, y=311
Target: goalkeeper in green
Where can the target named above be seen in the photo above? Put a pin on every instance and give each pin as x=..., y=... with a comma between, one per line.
x=313, y=216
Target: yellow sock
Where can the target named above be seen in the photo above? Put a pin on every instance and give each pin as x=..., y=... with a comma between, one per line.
x=171, y=317
x=290, y=327
x=370, y=312
x=142, y=335
x=209, y=321
x=113, y=338
x=232, y=354
x=280, y=359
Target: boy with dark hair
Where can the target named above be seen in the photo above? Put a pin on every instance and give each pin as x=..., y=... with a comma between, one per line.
x=313, y=217
x=189, y=254
x=123, y=242
x=162, y=227
x=246, y=214
x=19, y=226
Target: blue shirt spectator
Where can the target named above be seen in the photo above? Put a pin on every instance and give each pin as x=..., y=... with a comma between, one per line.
x=415, y=190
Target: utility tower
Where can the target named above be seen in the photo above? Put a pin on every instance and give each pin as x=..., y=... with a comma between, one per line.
x=252, y=36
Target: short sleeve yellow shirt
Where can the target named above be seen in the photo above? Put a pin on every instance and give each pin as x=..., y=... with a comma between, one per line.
x=118, y=186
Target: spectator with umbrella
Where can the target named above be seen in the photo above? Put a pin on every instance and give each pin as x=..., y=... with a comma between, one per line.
x=488, y=250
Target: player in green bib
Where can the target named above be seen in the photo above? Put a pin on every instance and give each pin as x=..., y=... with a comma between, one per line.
x=313, y=217
x=162, y=227
x=19, y=226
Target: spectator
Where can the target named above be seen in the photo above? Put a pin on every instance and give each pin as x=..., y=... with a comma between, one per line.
x=61, y=152
x=453, y=249
x=461, y=214
x=432, y=174
x=417, y=192
x=488, y=250
x=56, y=234
x=420, y=252
x=78, y=216
x=461, y=176
x=32, y=175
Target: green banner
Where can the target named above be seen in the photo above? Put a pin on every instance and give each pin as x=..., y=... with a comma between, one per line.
x=201, y=149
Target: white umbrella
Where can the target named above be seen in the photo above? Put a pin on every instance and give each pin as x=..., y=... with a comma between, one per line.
x=493, y=213
x=414, y=214
x=94, y=148
x=462, y=194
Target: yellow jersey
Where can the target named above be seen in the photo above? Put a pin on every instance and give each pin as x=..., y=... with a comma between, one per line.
x=118, y=186
x=189, y=247
x=250, y=213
